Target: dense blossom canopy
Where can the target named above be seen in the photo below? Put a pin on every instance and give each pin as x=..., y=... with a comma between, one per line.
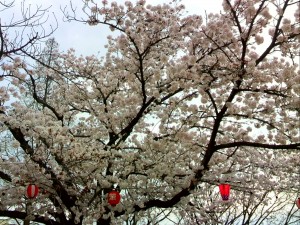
x=178, y=103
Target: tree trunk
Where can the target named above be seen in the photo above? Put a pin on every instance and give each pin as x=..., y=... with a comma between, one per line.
x=104, y=221
x=28, y=211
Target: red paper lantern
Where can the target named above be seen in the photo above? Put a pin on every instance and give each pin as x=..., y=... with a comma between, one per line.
x=113, y=198
x=224, y=191
x=32, y=191
x=298, y=203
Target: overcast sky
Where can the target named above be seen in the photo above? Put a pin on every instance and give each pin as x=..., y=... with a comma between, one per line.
x=89, y=40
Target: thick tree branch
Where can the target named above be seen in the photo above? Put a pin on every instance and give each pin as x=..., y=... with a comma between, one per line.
x=5, y=176
x=257, y=145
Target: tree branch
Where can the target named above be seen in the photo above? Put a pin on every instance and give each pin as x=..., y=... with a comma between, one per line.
x=257, y=145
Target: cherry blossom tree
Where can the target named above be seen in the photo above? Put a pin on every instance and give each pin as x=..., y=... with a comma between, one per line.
x=257, y=207
x=178, y=103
